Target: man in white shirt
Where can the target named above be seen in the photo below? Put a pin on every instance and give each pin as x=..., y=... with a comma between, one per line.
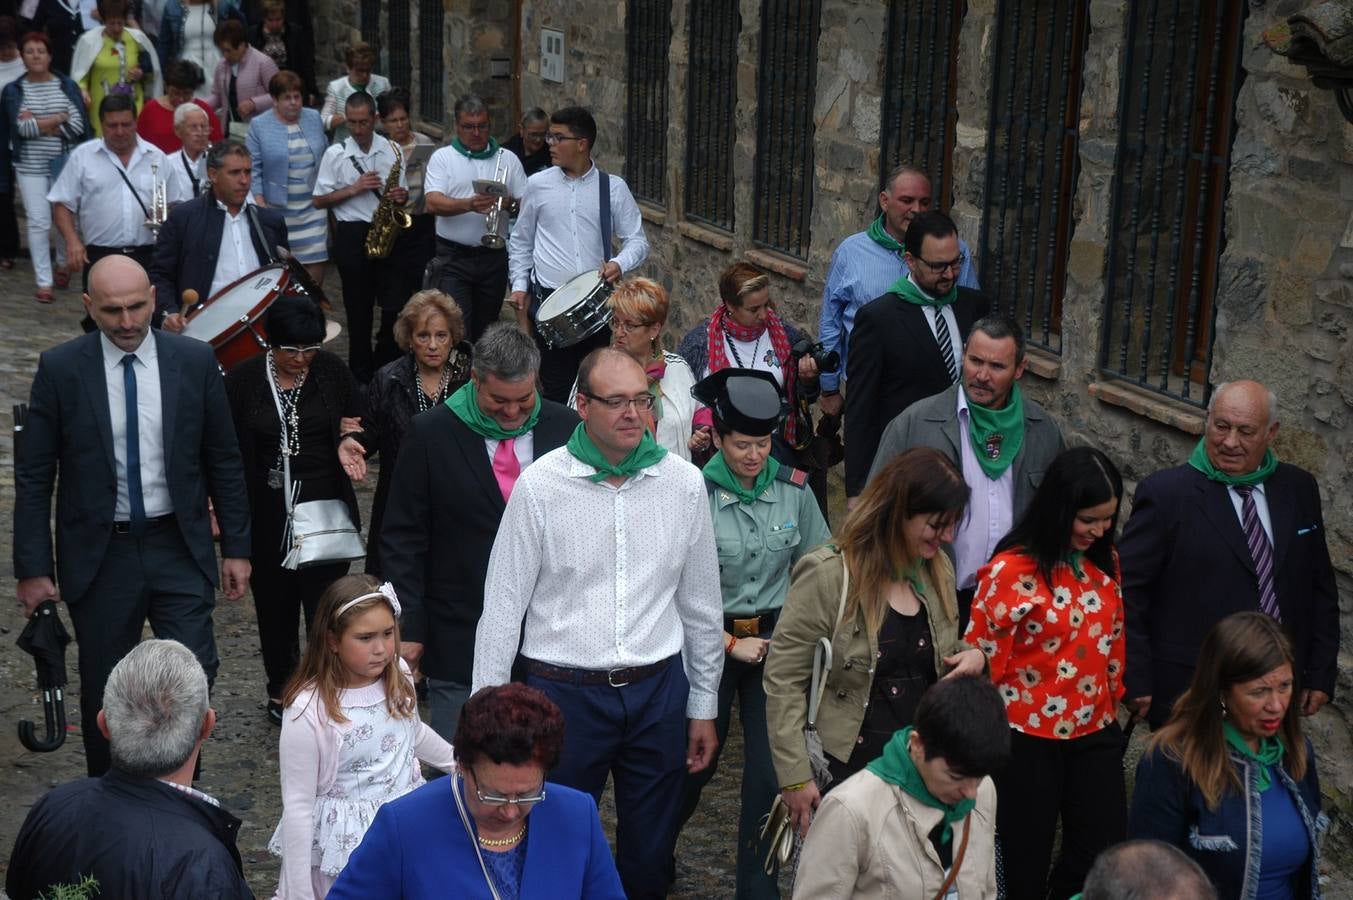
x=472, y=273
x=132, y=430
x=108, y=186
x=566, y=227
x=605, y=565
x=194, y=129
x=351, y=181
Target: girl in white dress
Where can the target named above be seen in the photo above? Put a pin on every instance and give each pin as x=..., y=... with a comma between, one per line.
x=351, y=736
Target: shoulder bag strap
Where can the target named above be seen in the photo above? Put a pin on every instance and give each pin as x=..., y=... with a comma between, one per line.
x=822, y=653
x=604, y=198
x=958, y=860
x=289, y=493
x=128, y=183
x=469, y=832
x=257, y=228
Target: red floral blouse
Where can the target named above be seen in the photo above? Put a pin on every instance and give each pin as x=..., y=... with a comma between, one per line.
x=1056, y=652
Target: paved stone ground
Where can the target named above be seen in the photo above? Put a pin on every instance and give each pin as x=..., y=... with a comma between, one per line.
x=240, y=761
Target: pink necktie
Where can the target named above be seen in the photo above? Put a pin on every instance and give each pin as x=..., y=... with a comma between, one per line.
x=505, y=466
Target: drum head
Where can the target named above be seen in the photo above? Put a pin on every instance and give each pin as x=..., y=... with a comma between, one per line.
x=235, y=304
x=568, y=295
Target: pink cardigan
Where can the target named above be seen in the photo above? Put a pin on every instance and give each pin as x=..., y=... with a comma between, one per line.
x=308, y=759
x=256, y=70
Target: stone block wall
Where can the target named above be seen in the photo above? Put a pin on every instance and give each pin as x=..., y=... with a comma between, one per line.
x=1285, y=302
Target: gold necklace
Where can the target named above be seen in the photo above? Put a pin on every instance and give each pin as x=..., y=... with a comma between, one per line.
x=503, y=842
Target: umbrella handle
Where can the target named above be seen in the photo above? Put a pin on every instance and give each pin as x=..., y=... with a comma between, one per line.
x=54, y=707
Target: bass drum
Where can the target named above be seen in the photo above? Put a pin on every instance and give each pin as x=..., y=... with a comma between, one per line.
x=231, y=321
x=576, y=310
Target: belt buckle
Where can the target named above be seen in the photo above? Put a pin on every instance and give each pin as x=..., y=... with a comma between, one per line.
x=745, y=628
x=122, y=528
x=610, y=677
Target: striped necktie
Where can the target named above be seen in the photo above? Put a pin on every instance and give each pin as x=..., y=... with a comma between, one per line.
x=946, y=342
x=1261, y=551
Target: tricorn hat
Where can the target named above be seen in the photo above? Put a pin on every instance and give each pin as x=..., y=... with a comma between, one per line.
x=745, y=400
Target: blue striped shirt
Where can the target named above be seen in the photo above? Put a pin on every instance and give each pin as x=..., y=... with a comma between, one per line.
x=863, y=270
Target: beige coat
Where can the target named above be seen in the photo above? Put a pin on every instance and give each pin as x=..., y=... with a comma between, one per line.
x=809, y=613
x=869, y=841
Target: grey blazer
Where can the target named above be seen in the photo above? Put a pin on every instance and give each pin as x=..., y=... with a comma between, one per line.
x=933, y=422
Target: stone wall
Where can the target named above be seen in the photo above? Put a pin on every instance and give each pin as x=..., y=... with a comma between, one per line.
x=1283, y=312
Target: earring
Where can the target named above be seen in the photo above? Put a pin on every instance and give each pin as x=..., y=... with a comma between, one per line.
x=1223, y=708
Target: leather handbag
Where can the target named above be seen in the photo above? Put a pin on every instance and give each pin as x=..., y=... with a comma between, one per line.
x=317, y=531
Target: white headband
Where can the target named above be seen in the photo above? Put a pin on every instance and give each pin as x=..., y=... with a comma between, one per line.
x=386, y=590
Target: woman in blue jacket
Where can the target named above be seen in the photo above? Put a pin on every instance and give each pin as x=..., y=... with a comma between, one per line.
x=1230, y=779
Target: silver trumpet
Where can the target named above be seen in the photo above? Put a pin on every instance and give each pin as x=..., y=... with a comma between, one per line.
x=159, y=200
x=495, y=223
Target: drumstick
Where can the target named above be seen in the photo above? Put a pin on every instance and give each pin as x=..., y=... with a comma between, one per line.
x=189, y=300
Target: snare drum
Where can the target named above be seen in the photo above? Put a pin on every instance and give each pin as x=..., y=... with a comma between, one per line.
x=576, y=310
x=230, y=320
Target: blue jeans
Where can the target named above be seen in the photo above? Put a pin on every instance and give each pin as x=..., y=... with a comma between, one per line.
x=445, y=698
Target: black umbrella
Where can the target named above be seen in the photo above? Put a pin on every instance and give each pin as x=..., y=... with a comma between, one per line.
x=45, y=638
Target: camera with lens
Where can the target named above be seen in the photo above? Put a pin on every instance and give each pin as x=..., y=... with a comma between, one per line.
x=827, y=360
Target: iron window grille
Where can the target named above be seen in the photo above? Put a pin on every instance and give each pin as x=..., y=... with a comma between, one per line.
x=1176, y=126
x=371, y=24
x=711, y=93
x=649, y=40
x=431, y=72
x=401, y=57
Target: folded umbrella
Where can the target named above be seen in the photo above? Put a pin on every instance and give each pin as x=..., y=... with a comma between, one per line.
x=45, y=639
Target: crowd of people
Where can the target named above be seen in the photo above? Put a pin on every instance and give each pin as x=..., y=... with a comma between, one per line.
x=582, y=555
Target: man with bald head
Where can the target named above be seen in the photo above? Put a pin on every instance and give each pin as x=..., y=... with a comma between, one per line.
x=605, y=566
x=131, y=430
x=1231, y=530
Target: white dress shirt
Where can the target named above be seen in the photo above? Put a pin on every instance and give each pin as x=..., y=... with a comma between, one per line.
x=523, y=447
x=991, y=507
x=149, y=427
x=1260, y=508
x=106, y=211
x=955, y=336
x=339, y=168
x=606, y=577
x=558, y=230
x=452, y=174
x=197, y=169
x=237, y=256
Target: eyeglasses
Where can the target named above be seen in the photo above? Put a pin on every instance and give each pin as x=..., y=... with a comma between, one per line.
x=642, y=403
x=298, y=351
x=939, y=267
x=555, y=138
x=621, y=326
x=477, y=126
x=495, y=800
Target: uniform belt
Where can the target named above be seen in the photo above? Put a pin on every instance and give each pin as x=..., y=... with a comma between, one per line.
x=123, y=251
x=457, y=247
x=126, y=527
x=751, y=626
x=612, y=677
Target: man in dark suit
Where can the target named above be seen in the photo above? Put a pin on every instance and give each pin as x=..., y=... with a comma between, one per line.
x=137, y=427
x=215, y=239
x=1231, y=530
x=906, y=345
x=1002, y=441
x=455, y=471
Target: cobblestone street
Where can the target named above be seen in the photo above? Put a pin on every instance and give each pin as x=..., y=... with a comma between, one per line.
x=240, y=761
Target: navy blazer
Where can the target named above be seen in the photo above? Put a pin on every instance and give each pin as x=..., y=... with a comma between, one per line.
x=894, y=361
x=417, y=848
x=189, y=244
x=69, y=432
x=1186, y=566
x=1226, y=841
x=438, y=529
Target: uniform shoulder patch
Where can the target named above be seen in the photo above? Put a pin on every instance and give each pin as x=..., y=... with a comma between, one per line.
x=791, y=475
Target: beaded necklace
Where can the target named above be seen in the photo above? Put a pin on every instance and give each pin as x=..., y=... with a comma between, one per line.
x=289, y=442
x=424, y=401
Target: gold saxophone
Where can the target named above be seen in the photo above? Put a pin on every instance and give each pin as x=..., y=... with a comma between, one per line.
x=390, y=218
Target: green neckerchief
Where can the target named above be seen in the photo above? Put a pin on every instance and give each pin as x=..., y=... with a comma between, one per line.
x=1270, y=753
x=1074, y=559
x=717, y=471
x=1198, y=459
x=895, y=767
x=465, y=151
x=466, y=407
x=584, y=450
x=912, y=575
x=997, y=434
x=879, y=235
x=905, y=288
x=360, y=88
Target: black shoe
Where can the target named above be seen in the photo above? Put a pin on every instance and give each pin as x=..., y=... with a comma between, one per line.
x=275, y=713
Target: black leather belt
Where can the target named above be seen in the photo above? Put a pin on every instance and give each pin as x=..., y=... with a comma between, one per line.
x=612, y=677
x=457, y=247
x=126, y=527
x=750, y=626
x=122, y=251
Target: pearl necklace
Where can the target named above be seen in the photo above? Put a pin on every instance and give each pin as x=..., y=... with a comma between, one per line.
x=424, y=402
x=504, y=842
x=290, y=401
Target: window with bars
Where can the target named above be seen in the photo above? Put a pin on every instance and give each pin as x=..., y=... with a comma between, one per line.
x=783, y=200
x=1176, y=125
x=431, y=73
x=648, y=37
x=371, y=24
x=1032, y=154
x=711, y=99
x=920, y=107
x=401, y=59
